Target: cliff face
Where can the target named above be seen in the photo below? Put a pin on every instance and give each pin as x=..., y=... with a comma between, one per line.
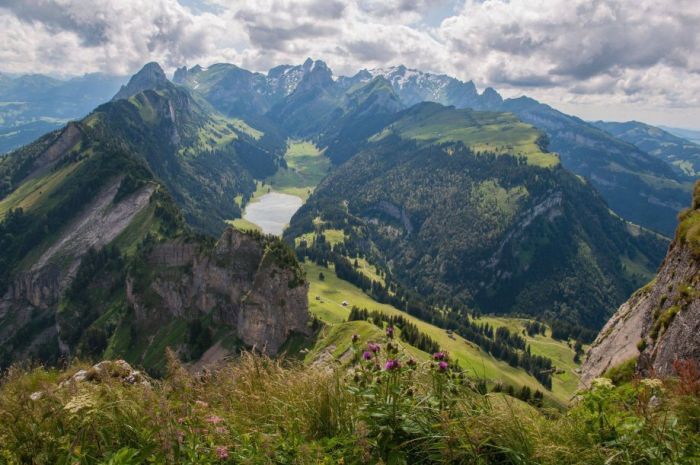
x=660, y=323
x=237, y=285
x=28, y=307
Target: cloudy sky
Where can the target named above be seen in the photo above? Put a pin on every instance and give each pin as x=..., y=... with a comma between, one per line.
x=608, y=59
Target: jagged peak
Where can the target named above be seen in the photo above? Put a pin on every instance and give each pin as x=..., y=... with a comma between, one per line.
x=491, y=95
x=151, y=76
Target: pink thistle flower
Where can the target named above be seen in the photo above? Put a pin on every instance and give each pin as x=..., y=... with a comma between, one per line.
x=222, y=452
x=367, y=355
x=391, y=364
x=214, y=420
x=373, y=347
x=442, y=366
x=390, y=332
x=355, y=338
x=439, y=356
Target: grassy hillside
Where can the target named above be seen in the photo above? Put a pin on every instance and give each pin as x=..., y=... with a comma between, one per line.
x=682, y=154
x=640, y=187
x=261, y=411
x=487, y=231
x=494, y=133
x=332, y=292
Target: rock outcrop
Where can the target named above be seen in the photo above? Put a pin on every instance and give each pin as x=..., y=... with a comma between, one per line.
x=151, y=76
x=239, y=284
x=660, y=323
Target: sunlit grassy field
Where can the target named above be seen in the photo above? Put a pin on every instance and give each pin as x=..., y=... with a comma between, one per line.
x=326, y=299
x=498, y=133
x=306, y=167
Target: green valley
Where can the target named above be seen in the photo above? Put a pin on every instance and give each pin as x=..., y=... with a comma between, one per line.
x=302, y=169
x=326, y=298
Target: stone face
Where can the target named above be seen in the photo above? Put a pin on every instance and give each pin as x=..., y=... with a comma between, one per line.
x=233, y=283
x=659, y=324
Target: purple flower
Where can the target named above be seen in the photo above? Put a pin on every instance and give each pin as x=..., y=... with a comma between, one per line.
x=214, y=419
x=439, y=356
x=354, y=338
x=373, y=347
x=442, y=366
x=367, y=355
x=222, y=452
x=390, y=332
x=391, y=364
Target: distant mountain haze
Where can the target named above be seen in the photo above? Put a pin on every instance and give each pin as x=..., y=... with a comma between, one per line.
x=33, y=105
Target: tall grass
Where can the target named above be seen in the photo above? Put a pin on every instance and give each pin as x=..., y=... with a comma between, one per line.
x=259, y=410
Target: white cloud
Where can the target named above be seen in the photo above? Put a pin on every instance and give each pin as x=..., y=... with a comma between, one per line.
x=641, y=53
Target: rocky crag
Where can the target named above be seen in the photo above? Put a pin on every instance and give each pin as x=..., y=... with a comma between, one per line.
x=660, y=323
x=240, y=284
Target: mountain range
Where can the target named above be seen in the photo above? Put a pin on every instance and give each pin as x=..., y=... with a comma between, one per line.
x=637, y=185
x=32, y=105
x=462, y=202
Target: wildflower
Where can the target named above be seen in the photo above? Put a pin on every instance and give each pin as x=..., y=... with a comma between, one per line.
x=355, y=338
x=181, y=420
x=222, y=452
x=373, y=347
x=390, y=332
x=411, y=363
x=367, y=355
x=214, y=420
x=442, y=366
x=602, y=383
x=391, y=364
x=653, y=383
x=439, y=356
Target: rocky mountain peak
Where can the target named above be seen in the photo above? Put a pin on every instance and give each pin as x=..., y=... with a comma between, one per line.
x=490, y=97
x=151, y=76
x=180, y=75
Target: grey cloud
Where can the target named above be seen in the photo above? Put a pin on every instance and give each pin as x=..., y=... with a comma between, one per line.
x=57, y=17
x=499, y=75
x=326, y=9
x=393, y=7
x=269, y=35
x=276, y=37
x=371, y=51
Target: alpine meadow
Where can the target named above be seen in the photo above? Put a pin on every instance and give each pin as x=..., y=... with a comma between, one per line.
x=350, y=232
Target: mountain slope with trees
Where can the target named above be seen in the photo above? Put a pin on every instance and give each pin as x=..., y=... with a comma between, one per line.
x=468, y=224
x=107, y=234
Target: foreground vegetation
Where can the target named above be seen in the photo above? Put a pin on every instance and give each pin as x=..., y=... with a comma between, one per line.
x=387, y=409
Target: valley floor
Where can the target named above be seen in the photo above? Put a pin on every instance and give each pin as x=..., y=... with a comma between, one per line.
x=306, y=167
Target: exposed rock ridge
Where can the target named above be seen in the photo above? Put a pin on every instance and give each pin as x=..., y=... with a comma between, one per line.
x=151, y=76
x=34, y=295
x=232, y=284
x=660, y=323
